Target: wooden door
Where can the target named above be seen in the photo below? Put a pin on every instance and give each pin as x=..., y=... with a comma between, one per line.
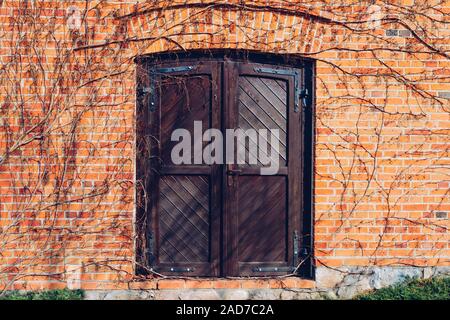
x=262, y=212
x=221, y=219
x=184, y=227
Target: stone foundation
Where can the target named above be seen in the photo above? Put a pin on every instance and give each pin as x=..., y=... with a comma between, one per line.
x=344, y=283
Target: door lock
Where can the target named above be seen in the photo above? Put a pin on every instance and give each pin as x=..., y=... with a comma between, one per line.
x=234, y=172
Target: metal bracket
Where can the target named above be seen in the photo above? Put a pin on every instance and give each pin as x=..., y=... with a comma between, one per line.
x=295, y=249
x=175, y=69
x=284, y=72
x=151, y=88
x=273, y=269
x=176, y=269
x=150, y=253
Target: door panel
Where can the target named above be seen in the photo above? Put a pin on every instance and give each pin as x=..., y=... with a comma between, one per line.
x=184, y=219
x=260, y=108
x=185, y=99
x=262, y=219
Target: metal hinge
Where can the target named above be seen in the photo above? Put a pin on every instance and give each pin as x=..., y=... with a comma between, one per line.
x=150, y=253
x=304, y=253
x=149, y=90
x=295, y=249
x=304, y=95
x=295, y=74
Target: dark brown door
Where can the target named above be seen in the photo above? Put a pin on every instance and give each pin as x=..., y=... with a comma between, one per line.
x=221, y=219
x=185, y=198
x=262, y=211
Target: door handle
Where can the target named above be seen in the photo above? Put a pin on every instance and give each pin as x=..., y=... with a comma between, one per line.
x=234, y=172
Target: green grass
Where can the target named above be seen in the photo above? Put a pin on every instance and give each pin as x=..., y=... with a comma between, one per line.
x=412, y=289
x=64, y=294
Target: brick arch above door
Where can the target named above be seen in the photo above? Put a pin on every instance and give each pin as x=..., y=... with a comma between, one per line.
x=191, y=25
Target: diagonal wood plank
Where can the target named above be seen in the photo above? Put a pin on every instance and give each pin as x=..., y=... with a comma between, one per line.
x=184, y=219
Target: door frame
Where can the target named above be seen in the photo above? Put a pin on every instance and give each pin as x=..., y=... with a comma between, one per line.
x=307, y=270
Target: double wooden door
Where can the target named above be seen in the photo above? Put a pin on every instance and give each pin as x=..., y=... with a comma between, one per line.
x=222, y=218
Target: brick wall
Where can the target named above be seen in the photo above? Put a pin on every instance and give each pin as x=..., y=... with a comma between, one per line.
x=67, y=130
